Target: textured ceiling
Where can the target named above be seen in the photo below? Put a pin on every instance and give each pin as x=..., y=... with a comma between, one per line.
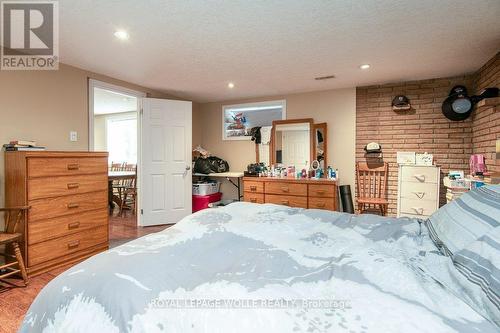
x=192, y=49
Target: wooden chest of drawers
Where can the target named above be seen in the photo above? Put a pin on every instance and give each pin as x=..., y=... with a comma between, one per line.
x=318, y=194
x=418, y=190
x=68, y=197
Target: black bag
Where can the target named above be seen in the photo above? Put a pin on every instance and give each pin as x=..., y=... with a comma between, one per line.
x=211, y=164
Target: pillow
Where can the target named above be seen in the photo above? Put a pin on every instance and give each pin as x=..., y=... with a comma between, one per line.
x=464, y=220
x=479, y=265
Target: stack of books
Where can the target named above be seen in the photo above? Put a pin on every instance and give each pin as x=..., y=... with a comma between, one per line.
x=22, y=145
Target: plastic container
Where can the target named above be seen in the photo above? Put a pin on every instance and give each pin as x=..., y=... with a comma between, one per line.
x=206, y=187
x=202, y=201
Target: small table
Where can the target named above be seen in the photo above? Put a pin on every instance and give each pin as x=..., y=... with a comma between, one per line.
x=229, y=177
x=117, y=175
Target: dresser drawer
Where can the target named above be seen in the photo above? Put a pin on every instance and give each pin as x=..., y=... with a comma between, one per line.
x=53, y=207
x=65, y=166
x=256, y=187
x=254, y=197
x=65, y=185
x=59, y=247
x=322, y=191
x=417, y=206
x=39, y=231
x=422, y=191
x=286, y=188
x=291, y=201
x=321, y=203
x=420, y=174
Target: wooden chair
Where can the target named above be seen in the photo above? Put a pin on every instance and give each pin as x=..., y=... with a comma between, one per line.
x=129, y=194
x=371, y=183
x=10, y=237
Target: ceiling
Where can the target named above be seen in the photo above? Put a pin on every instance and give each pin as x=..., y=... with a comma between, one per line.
x=108, y=102
x=192, y=49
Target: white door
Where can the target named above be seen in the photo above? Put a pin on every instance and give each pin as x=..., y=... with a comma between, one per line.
x=165, y=167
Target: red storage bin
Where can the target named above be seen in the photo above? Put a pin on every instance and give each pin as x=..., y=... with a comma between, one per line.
x=201, y=201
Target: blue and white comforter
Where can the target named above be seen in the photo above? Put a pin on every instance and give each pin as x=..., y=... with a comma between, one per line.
x=260, y=268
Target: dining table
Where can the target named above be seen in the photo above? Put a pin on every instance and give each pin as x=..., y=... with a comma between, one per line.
x=114, y=176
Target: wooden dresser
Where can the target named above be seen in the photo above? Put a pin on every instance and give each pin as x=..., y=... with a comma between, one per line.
x=418, y=190
x=304, y=193
x=68, y=197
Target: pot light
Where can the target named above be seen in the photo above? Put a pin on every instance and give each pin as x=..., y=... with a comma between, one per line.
x=364, y=66
x=121, y=34
x=230, y=85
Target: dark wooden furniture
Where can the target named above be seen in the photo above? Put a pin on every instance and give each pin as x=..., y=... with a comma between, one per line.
x=11, y=238
x=371, y=184
x=304, y=193
x=67, y=194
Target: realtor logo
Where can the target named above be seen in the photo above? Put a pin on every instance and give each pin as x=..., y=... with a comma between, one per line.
x=29, y=36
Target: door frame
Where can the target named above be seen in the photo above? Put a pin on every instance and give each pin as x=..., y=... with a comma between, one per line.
x=93, y=83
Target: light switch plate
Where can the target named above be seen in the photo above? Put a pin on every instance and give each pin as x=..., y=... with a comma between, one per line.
x=73, y=136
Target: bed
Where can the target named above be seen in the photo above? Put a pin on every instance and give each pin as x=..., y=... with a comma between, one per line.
x=267, y=268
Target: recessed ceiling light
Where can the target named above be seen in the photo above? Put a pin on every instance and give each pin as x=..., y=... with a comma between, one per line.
x=364, y=66
x=230, y=85
x=326, y=77
x=121, y=34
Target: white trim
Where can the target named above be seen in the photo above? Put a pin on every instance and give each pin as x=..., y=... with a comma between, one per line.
x=278, y=103
x=92, y=83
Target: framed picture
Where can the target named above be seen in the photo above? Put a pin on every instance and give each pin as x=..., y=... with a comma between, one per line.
x=239, y=119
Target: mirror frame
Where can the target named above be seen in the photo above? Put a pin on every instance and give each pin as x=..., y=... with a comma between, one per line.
x=324, y=127
x=310, y=121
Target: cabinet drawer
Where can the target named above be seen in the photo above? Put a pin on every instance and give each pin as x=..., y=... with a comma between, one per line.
x=65, y=166
x=43, y=230
x=422, y=191
x=322, y=191
x=65, y=185
x=291, y=201
x=254, y=197
x=420, y=174
x=286, y=188
x=59, y=247
x=53, y=207
x=417, y=206
x=321, y=203
x=256, y=187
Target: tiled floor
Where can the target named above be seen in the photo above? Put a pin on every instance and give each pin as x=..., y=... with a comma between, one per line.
x=15, y=302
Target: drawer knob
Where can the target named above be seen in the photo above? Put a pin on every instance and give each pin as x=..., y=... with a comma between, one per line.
x=73, y=225
x=420, y=195
x=285, y=189
x=74, y=244
x=254, y=200
x=73, y=166
x=418, y=210
x=285, y=202
x=253, y=188
x=320, y=191
x=73, y=205
x=320, y=205
x=73, y=186
x=419, y=177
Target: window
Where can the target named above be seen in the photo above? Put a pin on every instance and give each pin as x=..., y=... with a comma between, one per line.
x=238, y=120
x=121, y=136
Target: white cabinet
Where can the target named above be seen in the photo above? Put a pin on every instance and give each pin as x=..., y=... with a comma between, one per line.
x=418, y=190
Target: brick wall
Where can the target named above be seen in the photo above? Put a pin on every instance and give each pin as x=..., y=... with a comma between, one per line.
x=422, y=129
x=486, y=121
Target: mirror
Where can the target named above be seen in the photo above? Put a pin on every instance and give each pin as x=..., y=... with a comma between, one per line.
x=320, y=145
x=292, y=143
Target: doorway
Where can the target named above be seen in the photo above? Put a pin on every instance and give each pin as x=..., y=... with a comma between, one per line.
x=114, y=127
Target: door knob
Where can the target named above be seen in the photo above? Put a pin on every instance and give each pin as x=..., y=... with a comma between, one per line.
x=188, y=168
